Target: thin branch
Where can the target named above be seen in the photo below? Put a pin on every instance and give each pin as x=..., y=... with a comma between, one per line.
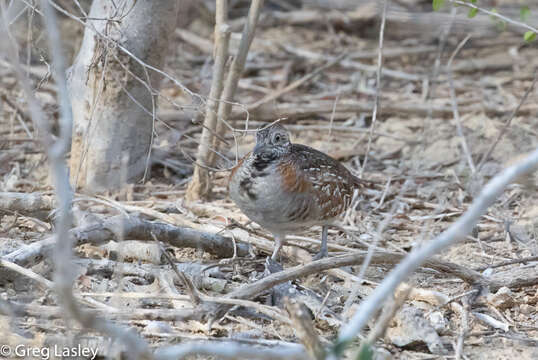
x=378, y=84
x=302, y=323
x=199, y=184
x=230, y=350
x=495, y=14
x=508, y=122
x=27, y=273
x=251, y=290
x=371, y=248
x=464, y=328
x=125, y=50
x=418, y=256
x=437, y=64
x=454, y=102
x=508, y=262
x=64, y=275
x=236, y=69
x=276, y=94
x=189, y=286
x=383, y=322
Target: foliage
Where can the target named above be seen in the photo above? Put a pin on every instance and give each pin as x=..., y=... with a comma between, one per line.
x=501, y=24
x=366, y=352
x=529, y=36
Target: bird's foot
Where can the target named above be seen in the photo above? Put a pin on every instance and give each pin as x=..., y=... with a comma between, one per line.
x=320, y=255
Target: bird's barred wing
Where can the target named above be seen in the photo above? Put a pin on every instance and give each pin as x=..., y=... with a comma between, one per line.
x=323, y=187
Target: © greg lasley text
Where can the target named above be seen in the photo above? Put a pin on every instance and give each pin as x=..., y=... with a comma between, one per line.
x=57, y=351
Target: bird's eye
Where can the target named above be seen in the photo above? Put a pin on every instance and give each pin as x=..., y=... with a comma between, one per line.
x=277, y=138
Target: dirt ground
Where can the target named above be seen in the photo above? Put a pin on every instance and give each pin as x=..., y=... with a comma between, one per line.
x=421, y=178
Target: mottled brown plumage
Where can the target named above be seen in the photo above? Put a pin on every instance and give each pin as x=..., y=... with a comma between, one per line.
x=288, y=187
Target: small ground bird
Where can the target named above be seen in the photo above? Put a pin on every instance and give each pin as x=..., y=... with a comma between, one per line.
x=288, y=187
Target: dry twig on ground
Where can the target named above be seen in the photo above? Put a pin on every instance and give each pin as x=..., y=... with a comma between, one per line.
x=454, y=233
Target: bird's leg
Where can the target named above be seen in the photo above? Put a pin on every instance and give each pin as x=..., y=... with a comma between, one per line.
x=323, y=251
x=279, y=241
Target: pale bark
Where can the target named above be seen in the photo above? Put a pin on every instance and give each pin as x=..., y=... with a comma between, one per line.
x=209, y=143
x=199, y=185
x=236, y=69
x=110, y=91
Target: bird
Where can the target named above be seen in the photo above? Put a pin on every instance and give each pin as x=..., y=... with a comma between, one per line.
x=287, y=187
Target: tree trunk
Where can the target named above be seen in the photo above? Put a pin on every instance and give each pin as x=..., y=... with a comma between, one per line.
x=111, y=100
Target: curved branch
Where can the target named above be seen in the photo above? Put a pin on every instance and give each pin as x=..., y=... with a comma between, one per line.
x=449, y=237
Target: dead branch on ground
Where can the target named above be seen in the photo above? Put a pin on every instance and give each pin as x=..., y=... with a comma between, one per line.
x=454, y=233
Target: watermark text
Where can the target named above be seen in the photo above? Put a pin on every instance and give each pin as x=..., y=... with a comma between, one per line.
x=47, y=352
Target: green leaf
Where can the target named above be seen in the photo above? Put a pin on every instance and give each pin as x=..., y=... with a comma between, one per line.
x=339, y=347
x=472, y=12
x=524, y=13
x=529, y=36
x=437, y=4
x=366, y=352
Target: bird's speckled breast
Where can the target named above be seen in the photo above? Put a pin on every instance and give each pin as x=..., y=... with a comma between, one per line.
x=258, y=192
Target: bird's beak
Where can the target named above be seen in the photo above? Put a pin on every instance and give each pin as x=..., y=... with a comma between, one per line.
x=257, y=149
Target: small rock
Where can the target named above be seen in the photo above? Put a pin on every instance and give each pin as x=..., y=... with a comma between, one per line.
x=439, y=323
x=412, y=329
x=527, y=309
x=158, y=327
x=502, y=299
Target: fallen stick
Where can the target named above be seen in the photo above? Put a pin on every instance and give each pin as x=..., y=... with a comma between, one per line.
x=422, y=255
x=249, y=291
x=120, y=227
x=33, y=204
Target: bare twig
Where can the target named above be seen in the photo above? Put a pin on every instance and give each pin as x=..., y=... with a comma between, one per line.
x=384, y=319
x=230, y=350
x=508, y=122
x=508, y=262
x=448, y=269
x=276, y=94
x=365, y=11
x=371, y=249
x=491, y=321
x=56, y=155
x=302, y=323
x=378, y=85
x=464, y=328
x=494, y=14
x=189, y=286
x=27, y=273
x=199, y=184
x=64, y=243
x=269, y=311
x=437, y=63
x=454, y=103
x=454, y=233
x=236, y=69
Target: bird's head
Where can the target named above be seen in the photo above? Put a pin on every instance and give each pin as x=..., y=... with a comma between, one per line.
x=272, y=142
